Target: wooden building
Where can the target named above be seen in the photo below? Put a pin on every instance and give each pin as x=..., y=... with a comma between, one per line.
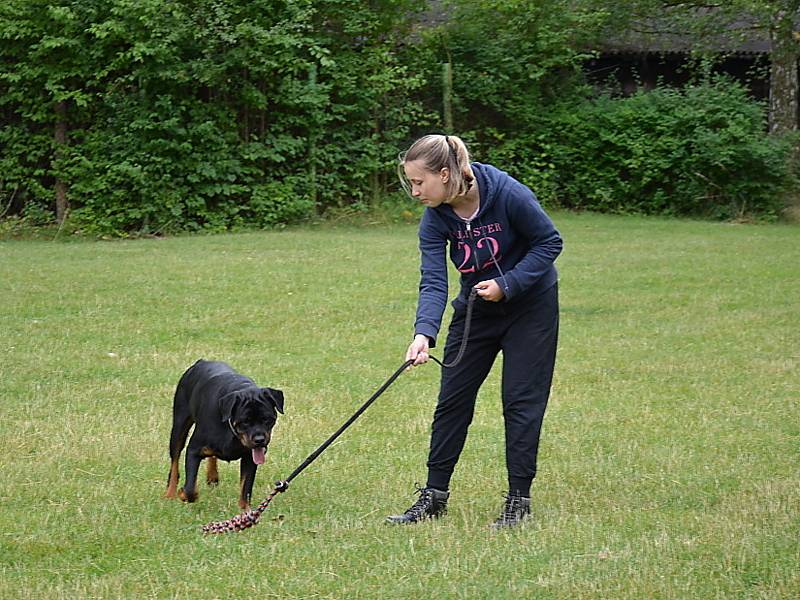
x=643, y=60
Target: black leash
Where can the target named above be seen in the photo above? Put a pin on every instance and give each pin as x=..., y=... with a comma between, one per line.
x=313, y=456
x=250, y=518
x=470, y=303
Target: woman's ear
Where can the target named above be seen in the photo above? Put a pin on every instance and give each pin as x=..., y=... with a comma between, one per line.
x=445, y=174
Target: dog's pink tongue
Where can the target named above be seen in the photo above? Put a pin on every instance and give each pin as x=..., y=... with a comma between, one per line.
x=259, y=455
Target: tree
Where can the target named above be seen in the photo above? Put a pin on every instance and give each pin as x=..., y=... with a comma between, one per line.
x=783, y=21
x=46, y=74
x=158, y=115
x=503, y=75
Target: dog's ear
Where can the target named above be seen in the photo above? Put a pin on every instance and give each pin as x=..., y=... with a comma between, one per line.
x=274, y=397
x=228, y=405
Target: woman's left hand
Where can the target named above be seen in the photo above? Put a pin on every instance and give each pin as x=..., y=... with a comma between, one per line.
x=489, y=290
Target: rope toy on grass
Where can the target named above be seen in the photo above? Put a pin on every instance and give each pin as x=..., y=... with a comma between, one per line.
x=247, y=519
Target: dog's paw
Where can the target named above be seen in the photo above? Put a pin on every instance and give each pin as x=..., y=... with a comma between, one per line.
x=187, y=497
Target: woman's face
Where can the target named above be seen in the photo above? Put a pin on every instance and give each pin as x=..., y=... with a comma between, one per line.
x=427, y=186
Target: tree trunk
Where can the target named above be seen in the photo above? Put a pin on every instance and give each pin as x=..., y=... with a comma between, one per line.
x=312, y=142
x=783, y=113
x=783, y=94
x=447, y=96
x=374, y=176
x=60, y=138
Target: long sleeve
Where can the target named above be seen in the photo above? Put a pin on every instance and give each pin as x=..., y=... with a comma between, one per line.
x=433, y=280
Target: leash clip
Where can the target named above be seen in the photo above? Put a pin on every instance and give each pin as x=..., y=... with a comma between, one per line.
x=281, y=486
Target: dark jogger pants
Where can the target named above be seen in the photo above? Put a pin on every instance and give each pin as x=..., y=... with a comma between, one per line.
x=527, y=334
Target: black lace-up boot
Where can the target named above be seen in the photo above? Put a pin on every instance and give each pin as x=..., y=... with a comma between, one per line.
x=431, y=504
x=515, y=510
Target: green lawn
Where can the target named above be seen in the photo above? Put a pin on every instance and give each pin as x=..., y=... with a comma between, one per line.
x=670, y=459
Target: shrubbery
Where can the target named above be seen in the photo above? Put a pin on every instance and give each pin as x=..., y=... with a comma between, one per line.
x=213, y=114
x=701, y=151
x=698, y=151
x=201, y=114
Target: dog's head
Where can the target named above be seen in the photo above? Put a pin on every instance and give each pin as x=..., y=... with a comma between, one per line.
x=251, y=414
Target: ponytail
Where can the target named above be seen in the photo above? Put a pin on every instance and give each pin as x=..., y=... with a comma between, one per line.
x=437, y=152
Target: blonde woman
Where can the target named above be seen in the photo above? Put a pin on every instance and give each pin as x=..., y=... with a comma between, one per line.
x=504, y=246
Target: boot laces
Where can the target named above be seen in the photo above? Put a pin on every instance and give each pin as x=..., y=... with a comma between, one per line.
x=513, y=509
x=423, y=504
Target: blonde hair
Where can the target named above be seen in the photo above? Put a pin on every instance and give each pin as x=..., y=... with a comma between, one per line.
x=437, y=152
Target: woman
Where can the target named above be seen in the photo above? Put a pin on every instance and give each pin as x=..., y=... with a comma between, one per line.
x=504, y=246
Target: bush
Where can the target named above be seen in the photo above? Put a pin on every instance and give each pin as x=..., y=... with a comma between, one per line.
x=202, y=114
x=700, y=151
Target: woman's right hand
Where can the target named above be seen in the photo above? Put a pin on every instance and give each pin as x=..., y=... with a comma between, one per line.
x=418, y=350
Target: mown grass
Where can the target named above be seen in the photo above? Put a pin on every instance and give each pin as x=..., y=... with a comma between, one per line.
x=669, y=461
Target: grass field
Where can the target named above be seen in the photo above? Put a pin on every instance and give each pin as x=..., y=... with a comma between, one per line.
x=670, y=459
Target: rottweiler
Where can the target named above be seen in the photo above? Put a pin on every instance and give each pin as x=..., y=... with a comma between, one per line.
x=233, y=420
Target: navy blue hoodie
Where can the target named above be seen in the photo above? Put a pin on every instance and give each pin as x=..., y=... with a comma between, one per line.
x=510, y=240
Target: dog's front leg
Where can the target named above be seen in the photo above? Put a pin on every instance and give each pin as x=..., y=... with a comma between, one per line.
x=247, y=477
x=188, y=493
x=174, y=476
x=212, y=473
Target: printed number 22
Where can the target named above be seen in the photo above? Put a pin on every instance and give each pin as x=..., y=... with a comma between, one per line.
x=494, y=247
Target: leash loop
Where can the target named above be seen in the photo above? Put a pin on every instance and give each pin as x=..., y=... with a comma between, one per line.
x=467, y=324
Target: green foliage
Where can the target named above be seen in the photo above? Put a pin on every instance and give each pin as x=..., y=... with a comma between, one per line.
x=155, y=166
x=702, y=150
x=511, y=57
x=698, y=151
x=214, y=114
x=203, y=114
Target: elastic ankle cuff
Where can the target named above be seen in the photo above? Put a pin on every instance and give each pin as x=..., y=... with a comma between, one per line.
x=519, y=487
x=436, y=489
x=438, y=481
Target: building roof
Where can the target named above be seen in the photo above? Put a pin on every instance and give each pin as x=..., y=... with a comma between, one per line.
x=663, y=35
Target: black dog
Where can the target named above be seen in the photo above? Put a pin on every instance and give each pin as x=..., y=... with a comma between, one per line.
x=233, y=420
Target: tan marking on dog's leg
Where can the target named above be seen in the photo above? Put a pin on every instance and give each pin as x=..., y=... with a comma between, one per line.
x=243, y=504
x=212, y=474
x=172, y=483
